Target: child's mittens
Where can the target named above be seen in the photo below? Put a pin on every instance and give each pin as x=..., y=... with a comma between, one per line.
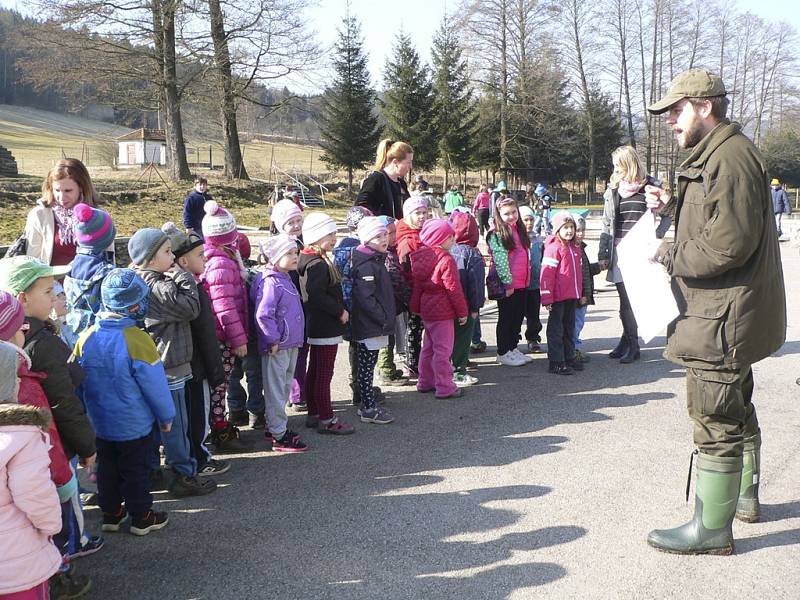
x=68, y=490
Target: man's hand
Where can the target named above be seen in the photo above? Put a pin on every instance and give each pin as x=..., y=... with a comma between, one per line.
x=344, y=317
x=240, y=351
x=655, y=197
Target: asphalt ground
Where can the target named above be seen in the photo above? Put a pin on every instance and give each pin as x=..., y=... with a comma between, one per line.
x=531, y=486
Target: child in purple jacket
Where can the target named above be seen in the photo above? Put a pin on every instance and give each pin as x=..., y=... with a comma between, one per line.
x=224, y=280
x=280, y=324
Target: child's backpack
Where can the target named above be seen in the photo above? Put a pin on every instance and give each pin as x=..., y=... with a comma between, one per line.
x=343, y=261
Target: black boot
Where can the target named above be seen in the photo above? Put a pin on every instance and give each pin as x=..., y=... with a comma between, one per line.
x=621, y=349
x=632, y=351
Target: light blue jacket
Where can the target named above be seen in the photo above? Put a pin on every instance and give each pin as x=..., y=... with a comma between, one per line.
x=125, y=389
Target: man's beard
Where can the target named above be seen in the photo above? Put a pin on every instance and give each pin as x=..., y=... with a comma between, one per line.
x=692, y=136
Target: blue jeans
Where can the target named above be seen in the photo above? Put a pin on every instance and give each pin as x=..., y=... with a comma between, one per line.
x=176, y=442
x=253, y=401
x=476, y=332
x=543, y=219
x=580, y=319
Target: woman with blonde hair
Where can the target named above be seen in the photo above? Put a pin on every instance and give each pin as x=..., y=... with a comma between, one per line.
x=624, y=206
x=384, y=190
x=50, y=228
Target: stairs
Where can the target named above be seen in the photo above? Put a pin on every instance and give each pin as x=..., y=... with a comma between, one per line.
x=8, y=166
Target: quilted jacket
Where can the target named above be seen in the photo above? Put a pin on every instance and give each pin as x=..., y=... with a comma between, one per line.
x=561, y=276
x=279, y=311
x=437, y=294
x=226, y=288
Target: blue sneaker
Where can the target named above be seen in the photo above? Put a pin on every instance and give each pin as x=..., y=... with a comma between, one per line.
x=378, y=415
x=92, y=545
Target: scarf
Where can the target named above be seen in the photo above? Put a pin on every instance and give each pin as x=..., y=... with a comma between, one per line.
x=627, y=189
x=65, y=220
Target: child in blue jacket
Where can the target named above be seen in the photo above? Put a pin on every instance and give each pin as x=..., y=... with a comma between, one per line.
x=472, y=272
x=115, y=350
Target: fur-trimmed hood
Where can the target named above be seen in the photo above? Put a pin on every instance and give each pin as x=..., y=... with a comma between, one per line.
x=20, y=414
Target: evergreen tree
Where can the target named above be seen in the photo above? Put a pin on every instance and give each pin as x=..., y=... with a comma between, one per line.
x=455, y=117
x=408, y=102
x=349, y=128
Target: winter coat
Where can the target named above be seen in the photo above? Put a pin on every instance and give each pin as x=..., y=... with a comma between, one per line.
x=437, y=294
x=562, y=274
x=32, y=394
x=174, y=303
x=377, y=195
x=193, y=211
x=322, y=297
x=780, y=201
x=513, y=267
x=535, y=254
x=407, y=240
x=279, y=311
x=115, y=349
x=452, y=200
x=50, y=355
x=206, y=354
x=481, y=201
x=469, y=262
x=82, y=288
x=226, y=288
x=29, y=509
x=402, y=291
x=725, y=261
x=40, y=232
x=588, y=271
x=373, y=298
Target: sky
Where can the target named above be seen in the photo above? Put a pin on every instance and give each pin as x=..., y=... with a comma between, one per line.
x=380, y=22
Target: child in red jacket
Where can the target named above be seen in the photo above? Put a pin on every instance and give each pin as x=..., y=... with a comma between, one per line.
x=438, y=297
x=561, y=284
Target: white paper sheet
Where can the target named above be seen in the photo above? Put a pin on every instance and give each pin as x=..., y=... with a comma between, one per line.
x=646, y=282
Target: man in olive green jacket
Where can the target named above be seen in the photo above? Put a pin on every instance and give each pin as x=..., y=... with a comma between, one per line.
x=728, y=283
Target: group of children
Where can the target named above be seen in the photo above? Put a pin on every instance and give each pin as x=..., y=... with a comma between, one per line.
x=141, y=358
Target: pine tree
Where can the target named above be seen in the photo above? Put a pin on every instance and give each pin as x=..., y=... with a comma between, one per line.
x=349, y=127
x=408, y=102
x=455, y=117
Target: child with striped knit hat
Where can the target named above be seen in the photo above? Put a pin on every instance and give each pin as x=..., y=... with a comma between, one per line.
x=94, y=232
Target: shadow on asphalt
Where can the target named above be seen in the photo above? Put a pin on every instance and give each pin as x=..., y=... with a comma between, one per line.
x=792, y=347
x=780, y=512
x=768, y=540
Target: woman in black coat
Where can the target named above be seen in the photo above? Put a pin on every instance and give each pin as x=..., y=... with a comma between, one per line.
x=384, y=190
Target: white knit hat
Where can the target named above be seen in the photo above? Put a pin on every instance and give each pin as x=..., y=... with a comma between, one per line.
x=370, y=228
x=219, y=226
x=276, y=246
x=316, y=226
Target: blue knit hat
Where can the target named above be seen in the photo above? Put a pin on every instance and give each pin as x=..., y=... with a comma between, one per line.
x=93, y=228
x=144, y=244
x=125, y=293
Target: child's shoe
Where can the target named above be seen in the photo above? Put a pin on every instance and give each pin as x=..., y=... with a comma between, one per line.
x=396, y=377
x=511, y=359
x=560, y=369
x=183, y=486
x=152, y=521
x=238, y=418
x=289, y=442
x=259, y=421
x=113, y=521
x=92, y=545
x=478, y=348
x=464, y=380
x=66, y=585
x=335, y=427
x=228, y=441
x=534, y=348
x=582, y=356
x=214, y=467
x=378, y=415
x=575, y=364
x=296, y=406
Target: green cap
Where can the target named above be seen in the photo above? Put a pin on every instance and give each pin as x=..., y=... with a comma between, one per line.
x=693, y=83
x=19, y=273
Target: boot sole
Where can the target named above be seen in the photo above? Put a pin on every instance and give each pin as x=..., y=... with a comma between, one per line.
x=724, y=551
x=745, y=518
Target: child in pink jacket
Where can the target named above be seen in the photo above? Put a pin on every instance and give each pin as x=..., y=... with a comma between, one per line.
x=561, y=284
x=29, y=509
x=224, y=280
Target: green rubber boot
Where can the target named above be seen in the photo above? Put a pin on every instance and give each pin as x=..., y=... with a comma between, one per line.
x=748, y=508
x=716, y=493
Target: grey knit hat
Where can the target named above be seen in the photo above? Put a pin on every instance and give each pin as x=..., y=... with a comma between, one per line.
x=9, y=358
x=144, y=244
